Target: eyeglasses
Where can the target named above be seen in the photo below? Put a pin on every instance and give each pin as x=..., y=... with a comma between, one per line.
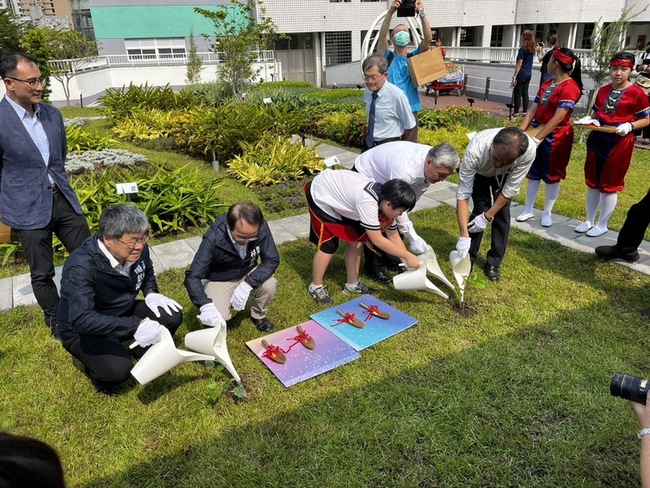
x=134, y=242
x=33, y=82
x=372, y=78
x=243, y=239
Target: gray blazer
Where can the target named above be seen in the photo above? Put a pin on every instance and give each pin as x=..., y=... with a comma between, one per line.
x=25, y=189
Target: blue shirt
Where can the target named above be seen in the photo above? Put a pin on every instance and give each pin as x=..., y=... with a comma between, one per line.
x=393, y=115
x=526, y=70
x=399, y=75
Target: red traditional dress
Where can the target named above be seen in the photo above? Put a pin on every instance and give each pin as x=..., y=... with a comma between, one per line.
x=554, y=152
x=609, y=155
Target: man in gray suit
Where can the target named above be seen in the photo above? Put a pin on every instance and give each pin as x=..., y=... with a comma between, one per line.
x=36, y=199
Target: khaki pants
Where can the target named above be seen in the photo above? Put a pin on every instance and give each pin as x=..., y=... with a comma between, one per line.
x=221, y=292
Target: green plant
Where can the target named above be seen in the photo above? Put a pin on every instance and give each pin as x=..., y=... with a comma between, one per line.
x=81, y=140
x=119, y=103
x=217, y=389
x=145, y=125
x=273, y=159
x=194, y=62
x=210, y=93
x=348, y=129
x=456, y=135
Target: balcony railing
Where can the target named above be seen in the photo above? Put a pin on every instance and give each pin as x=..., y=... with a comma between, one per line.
x=501, y=55
x=118, y=60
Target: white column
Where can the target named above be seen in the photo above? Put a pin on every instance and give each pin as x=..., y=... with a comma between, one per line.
x=487, y=35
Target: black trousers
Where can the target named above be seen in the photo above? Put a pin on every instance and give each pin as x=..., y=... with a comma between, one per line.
x=485, y=191
x=520, y=93
x=107, y=362
x=377, y=260
x=635, y=225
x=72, y=230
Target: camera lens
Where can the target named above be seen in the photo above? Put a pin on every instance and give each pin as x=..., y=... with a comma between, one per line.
x=629, y=387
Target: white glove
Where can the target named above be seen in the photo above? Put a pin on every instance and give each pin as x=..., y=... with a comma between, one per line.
x=462, y=246
x=210, y=316
x=478, y=224
x=240, y=296
x=588, y=121
x=419, y=246
x=155, y=301
x=147, y=333
x=624, y=129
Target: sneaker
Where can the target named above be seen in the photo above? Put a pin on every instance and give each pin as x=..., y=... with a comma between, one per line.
x=524, y=217
x=359, y=289
x=320, y=295
x=584, y=227
x=597, y=231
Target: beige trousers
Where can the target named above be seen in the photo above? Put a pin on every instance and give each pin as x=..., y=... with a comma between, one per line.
x=220, y=292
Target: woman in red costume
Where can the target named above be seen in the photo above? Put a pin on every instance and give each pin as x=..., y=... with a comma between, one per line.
x=551, y=112
x=623, y=105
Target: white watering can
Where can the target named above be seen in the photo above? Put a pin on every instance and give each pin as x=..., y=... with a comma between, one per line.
x=416, y=279
x=212, y=341
x=461, y=268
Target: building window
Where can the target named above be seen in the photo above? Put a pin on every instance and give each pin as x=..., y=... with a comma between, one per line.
x=171, y=48
x=587, y=31
x=467, y=36
x=338, y=48
x=496, y=39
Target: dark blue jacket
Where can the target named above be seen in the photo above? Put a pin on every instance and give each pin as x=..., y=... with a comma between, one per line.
x=218, y=260
x=97, y=300
x=25, y=189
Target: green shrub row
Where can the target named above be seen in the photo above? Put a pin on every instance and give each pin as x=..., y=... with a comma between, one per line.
x=80, y=140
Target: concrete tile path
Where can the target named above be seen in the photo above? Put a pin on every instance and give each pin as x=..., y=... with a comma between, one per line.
x=17, y=290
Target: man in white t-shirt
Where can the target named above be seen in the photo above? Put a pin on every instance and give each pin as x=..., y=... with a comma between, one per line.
x=352, y=207
x=494, y=167
x=418, y=165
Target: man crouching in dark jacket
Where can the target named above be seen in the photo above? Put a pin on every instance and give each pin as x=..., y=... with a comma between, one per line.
x=228, y=260
x=98, y=310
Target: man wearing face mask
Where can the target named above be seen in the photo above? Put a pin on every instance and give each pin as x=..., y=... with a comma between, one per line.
x=398, y=71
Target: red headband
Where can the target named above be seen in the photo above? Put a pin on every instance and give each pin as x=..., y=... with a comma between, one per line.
x=621, y=62
x=562, y=58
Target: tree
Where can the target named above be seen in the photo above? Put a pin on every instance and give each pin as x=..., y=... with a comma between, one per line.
x=10, y=32
x=607, y=40
x=70, y=51
x=238, y=39
x=194, y=63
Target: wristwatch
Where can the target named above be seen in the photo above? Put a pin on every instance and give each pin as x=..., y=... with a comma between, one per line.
x=421, y=13
x=643, y=432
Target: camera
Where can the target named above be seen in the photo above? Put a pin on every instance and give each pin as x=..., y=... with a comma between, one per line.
x=406, y=9
x=629, y=387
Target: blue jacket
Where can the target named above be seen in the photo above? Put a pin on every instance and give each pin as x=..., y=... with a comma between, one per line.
x=97, y=300
x=218, y=260
x=25, y=189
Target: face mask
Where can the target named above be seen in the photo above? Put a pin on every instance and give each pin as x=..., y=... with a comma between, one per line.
x=402, y=38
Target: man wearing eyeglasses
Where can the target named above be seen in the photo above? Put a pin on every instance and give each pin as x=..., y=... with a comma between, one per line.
x=237, y=257
x=389, y=114
x=36, y=199
x=99, y=309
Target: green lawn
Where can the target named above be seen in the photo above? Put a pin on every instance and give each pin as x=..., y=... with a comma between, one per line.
x=516, y=395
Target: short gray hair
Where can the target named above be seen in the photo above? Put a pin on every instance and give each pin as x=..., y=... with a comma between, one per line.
x=122, y=219
x=375, y=60
x=444, y=155
x=513, y=140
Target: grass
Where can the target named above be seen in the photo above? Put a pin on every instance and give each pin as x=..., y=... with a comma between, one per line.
x=516, y=395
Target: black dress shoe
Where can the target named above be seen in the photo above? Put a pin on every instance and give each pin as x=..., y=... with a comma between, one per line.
x=263, y=325
x=612, y=252
x=492, y=272
x=380, y=276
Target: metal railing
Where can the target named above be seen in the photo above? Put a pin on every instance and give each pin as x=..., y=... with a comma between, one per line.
x=501, y=55
x=266, y=56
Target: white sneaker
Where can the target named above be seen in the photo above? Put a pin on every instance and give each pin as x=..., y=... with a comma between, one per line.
x=597, y=231
x=524, y=217
x=547, y=221
x=584, y=227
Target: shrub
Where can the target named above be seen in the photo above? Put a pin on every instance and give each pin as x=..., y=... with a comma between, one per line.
x=446, y=118
x=274, y=159
x=145, y=125
x=172, y=200
x=119, y=103
x=81, y=140
x=105, y=158
x=456, y=136
x=348, y=129
x=214, y=93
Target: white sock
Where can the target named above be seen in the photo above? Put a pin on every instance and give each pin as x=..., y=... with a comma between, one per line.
x=607, y=205
x=593, y=199
x=351, y=286
x=552, y=191
x=312, y=287
x=532, y=188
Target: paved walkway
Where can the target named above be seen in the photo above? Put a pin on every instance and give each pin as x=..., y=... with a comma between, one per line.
x=178, y=254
